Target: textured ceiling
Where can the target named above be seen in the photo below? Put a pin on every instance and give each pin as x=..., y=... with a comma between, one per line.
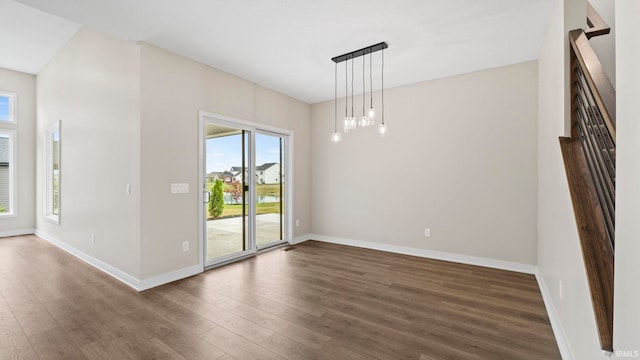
x=286, y=45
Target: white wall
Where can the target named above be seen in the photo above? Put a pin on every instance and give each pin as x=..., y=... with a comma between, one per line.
x=92, y=87
x=24, y=85
x=459, y=158
x=626, y=332
x=605, y=45
x=559, y=253
x=173, y=90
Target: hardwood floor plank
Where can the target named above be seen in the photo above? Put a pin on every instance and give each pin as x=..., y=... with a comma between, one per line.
x=129, y=348
x=13, y=342
x=220, y=316
x=238, y=346
x=269, y=321
x=334, y=350
x=289, y=348
x=191, y=347
x=55, y=344
x=178, y=314
x=227, y=357
x=32, y=316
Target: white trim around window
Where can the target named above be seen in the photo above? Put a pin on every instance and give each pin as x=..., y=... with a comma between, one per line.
x=8, y=174
x=53, y=181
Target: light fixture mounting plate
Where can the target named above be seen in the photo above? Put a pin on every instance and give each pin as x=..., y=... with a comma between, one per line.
x=361, y=52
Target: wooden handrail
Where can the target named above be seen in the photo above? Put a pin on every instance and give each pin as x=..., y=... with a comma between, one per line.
x=590, y=164
x=597, y=26
x=599, y=83
x=597, y=254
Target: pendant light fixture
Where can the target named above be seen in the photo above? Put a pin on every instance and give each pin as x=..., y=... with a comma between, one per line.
x=347, y=121
x=372, y=111
x=368, y=117
x=352, y=119
x=336, y=137
x=382, y=129
x=364, y=120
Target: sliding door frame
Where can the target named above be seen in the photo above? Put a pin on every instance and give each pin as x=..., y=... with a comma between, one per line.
x=284, y=162
x=203, y=118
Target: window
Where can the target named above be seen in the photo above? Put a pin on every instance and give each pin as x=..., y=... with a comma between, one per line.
x=52, y=193
x=7, y=172
x=7, y=154
x=7, y=112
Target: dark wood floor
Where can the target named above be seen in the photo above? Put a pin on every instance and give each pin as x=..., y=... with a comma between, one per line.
x=318, y=301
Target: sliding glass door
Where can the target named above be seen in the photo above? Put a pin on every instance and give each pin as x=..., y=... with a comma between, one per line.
x=227, y=184
x=244, y=190
x=270, y=170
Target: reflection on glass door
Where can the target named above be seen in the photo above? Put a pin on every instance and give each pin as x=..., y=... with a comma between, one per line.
x=227, y=231
x=269, y=173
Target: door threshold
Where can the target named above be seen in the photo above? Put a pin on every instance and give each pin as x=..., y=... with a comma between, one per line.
x=230, y=261
x=273, y=246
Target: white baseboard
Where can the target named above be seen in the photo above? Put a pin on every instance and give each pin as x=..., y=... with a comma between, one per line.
x=301, y=239
x=430, y=254
x=98, y=264
x=18, y=232
x=135, y=283
x=558, y=332
x=152, y=282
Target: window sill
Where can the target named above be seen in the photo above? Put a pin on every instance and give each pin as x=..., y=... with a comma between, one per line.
x=53, y=219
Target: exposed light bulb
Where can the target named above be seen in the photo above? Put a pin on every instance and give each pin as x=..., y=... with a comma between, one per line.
x=372, y=113
x=364, y=121
x=347, y=124
x=352, y=122
x=382, y=129
x=336, y=137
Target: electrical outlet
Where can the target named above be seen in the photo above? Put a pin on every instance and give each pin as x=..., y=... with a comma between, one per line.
x=427, y=232
x=93, y=238
x=185, y=246
x=297, y=222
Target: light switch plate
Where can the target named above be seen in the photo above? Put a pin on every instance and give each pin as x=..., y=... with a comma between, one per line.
x=179, y=188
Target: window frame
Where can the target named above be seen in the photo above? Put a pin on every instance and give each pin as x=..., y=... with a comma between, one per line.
x=48, y=156
x=13, y=146
x=12, y=107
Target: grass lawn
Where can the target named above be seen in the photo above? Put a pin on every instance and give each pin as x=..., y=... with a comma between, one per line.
x=261, y=189
x=268, y=189
x=262, y=208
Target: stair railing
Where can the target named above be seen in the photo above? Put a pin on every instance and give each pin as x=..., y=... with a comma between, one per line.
x=593, y=122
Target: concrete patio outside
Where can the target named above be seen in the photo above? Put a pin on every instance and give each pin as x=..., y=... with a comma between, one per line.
x=224, y=236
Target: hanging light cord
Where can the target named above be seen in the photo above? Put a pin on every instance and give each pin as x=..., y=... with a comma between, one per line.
x=335, y=99
x=382, y=86
x=346, y=91
x=363, y=87
x=352, y=87
x=371, y=78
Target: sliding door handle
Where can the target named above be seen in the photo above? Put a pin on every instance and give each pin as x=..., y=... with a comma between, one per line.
x=207, y=196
